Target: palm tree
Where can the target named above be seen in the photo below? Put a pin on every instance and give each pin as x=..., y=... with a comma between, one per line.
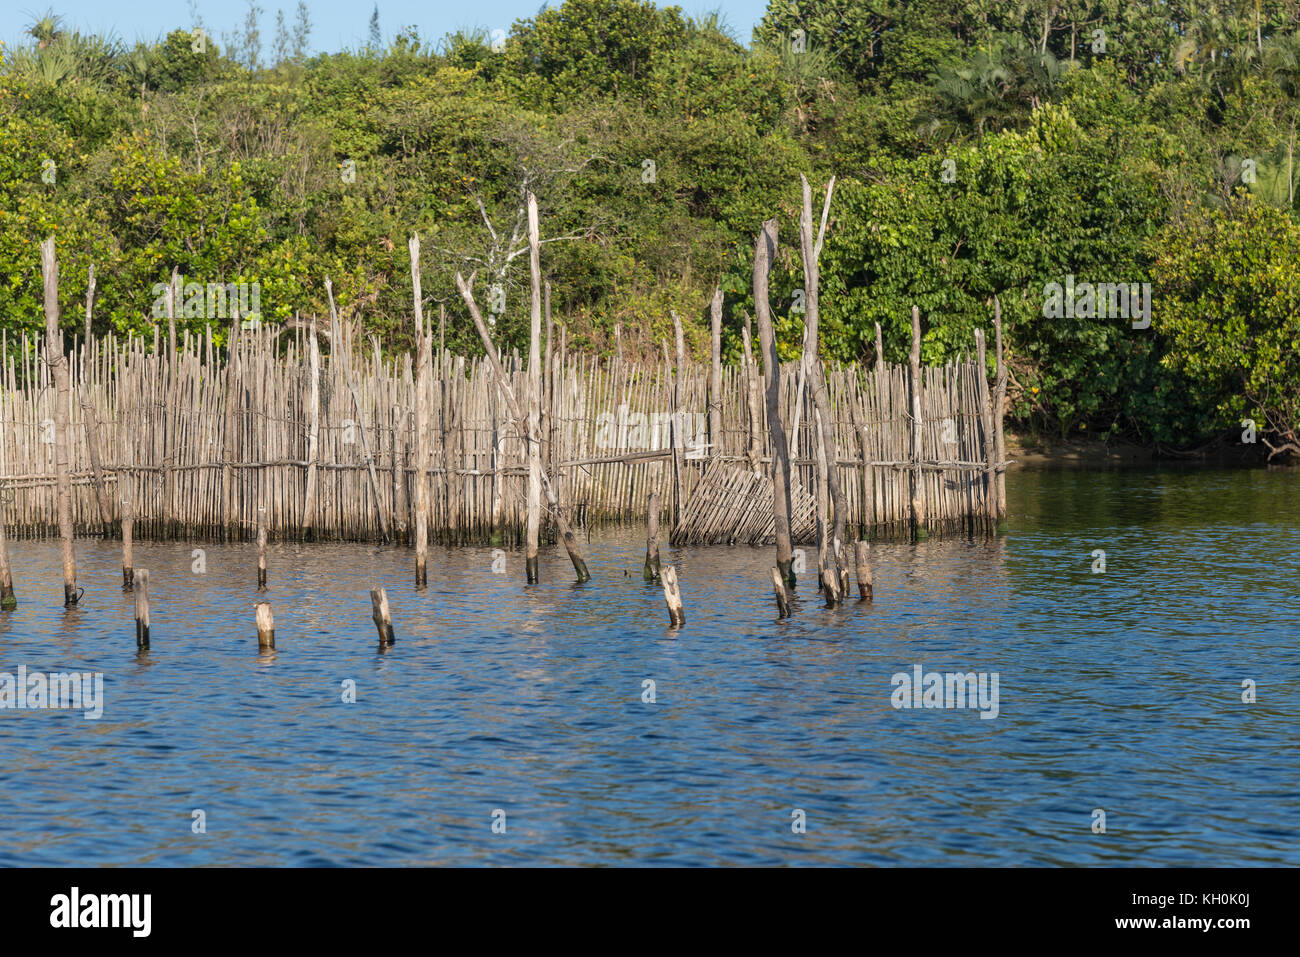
x=46, y=29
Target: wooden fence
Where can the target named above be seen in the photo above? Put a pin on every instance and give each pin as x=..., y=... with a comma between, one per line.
x=197, y=438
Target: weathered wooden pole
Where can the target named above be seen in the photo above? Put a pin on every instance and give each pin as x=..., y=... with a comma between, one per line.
x=265, y=627
x=261, y=547
x=914, y=368
x=754, y=402
x=570, y=540
x=229, y=434
x=678, y=421
x=548, y=386
x=999, y=407
x=128, y=526
x=715, y=379
x=810, y=246
x=140, y=585
x=534, y=517
x=58, y=363
x=985, y=401
x=174, y=295
x=880, y=350
x=7, y=599
x=782, y=597
x=652, y=568
x=764, y=253
x=673, y=597
x=90, y=299
x=380, y=613
x=862, y=555
x=422, y=362
x=313, y=438
x=90, y=421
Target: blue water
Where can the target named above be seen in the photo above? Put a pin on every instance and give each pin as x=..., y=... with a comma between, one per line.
x=1119, y=691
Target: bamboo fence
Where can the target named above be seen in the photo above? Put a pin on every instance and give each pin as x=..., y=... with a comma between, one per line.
x=195, y=439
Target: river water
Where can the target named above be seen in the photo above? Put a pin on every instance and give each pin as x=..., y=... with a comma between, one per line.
x=766, y=742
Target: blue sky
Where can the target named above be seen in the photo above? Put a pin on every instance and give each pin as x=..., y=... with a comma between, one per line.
x=336, y=24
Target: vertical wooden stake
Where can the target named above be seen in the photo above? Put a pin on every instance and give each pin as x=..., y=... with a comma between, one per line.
x=570, y=540
x=7, y=599
x=764, y=254
x=999, y=404
x=128, y=525
x=90, y=299
x=985, y=400
x=678, y=421
x=62, y=412
x=754, y=402
x=652, y=569
x=313, y=438
x=141, y=588
x=265, y=627
x=261, y=547
x=914, y=366
x=534, y=518
x=673, y=597
x=782, y=598
x=383, y=619
x=422, y=363
x=715, y=379
x=862, y=557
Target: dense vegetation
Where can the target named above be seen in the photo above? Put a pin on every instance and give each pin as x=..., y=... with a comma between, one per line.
x=982, y=149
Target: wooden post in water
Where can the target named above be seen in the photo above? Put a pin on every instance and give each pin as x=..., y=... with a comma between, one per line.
x=782, y=598
x=58, y=363
x=810, y=247
x=914, y=367
x=128, y=526
x=985, y=403
x=380, y=613
x=862, y=555
x=999, y=405
x=652, y=569
x=534, y=518
x=512, y=404
x=673, y=597
x=265, y=627
x=7, y=599
x=715, y=378
x=422, y=362
x=140, y=585
x=261, y=547
x=764, y=253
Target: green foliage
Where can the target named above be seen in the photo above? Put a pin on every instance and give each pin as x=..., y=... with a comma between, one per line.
x=1113, y=142
x=1230, y=308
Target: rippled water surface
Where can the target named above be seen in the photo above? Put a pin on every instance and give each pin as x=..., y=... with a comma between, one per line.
x=1120, y=691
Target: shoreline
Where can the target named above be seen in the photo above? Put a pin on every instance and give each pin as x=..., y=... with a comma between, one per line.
x=1038, y=451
